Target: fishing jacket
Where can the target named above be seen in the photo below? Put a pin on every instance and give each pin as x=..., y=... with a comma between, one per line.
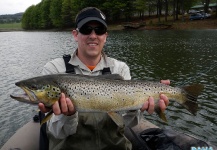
x=92, y=131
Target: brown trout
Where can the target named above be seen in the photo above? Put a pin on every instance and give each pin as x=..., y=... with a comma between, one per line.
x=107, y=93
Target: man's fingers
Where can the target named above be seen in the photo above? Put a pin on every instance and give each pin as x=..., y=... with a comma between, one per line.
x=151, y=105
x=167, y=82
x=165, y=99
x=63, y=104
x=56, y=108
x=145, y=106
x=148, y=105
x=43, y=108
x=71, y=108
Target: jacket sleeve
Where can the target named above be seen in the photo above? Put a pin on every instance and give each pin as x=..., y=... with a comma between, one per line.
x=121, y=68
x=60, y=126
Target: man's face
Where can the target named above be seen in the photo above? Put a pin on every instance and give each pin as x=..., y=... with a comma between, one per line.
x=90, y=45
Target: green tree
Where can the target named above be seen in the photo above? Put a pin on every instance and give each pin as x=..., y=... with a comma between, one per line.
x=140, y=6
x=26, y=19
x=159, y=9
x=45, y=14
x=67, y=13
x=151, y=7
x=55, y=13
x=129, y=9
x=114, y=9
x=36, y=17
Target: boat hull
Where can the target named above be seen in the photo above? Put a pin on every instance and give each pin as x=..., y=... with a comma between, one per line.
x=25, y=138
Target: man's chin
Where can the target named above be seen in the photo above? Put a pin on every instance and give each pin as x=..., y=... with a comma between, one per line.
x=93, y=53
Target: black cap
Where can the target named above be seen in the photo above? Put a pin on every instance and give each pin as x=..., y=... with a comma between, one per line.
x=90, y=14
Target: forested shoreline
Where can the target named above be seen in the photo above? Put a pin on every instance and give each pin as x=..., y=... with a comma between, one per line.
x=50, y=14
x=60, y=14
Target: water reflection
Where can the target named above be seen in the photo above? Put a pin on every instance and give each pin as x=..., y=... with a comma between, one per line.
x=184, y=57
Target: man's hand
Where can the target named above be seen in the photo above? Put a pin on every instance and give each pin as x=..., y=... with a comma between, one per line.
x=163, y=102
x=63, y=106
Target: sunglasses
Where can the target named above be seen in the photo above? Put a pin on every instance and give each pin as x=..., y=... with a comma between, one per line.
x=86, y=30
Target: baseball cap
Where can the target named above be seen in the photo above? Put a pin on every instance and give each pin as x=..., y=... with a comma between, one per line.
x=90, y=14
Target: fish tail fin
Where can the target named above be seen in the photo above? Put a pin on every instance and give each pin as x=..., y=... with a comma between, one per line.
x=47, y=117
x=191, y=94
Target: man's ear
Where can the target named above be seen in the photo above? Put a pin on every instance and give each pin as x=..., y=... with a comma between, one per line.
x=75, y=34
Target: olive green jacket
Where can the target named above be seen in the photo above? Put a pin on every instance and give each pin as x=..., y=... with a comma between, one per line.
x=95, y=131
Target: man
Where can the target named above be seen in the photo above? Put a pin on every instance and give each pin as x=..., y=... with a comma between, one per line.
x=68, y=129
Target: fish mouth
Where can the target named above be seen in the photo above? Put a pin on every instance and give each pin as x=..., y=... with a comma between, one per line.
x=28, y=96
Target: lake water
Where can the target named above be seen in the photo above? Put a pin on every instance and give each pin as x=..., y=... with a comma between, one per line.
x=184, y=57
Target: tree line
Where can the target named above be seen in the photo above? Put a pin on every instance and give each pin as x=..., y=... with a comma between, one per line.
x=61, y=13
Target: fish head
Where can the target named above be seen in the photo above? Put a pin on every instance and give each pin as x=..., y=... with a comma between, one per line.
x=38, y=90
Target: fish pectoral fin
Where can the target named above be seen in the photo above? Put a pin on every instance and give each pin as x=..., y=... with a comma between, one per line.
x=117, y=118
x=160, y=113
x=47, y=117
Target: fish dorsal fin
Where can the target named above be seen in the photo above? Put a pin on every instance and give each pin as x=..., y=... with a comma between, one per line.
x=111, y=76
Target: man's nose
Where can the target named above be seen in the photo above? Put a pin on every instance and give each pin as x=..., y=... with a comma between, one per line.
x=93, y=34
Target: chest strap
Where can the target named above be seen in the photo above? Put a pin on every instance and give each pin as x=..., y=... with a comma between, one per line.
x=106, y=71
x=70, y=67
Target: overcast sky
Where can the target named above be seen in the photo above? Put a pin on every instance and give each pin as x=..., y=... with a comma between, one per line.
x=15, y=6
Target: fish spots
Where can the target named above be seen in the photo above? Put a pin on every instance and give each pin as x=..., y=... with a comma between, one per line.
x=45, y=87
x=108, y=94
x=52, y=92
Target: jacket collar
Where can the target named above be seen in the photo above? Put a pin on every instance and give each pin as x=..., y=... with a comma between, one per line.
x=104, y=62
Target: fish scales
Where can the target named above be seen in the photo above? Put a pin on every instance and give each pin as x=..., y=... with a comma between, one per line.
x=111, y=95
